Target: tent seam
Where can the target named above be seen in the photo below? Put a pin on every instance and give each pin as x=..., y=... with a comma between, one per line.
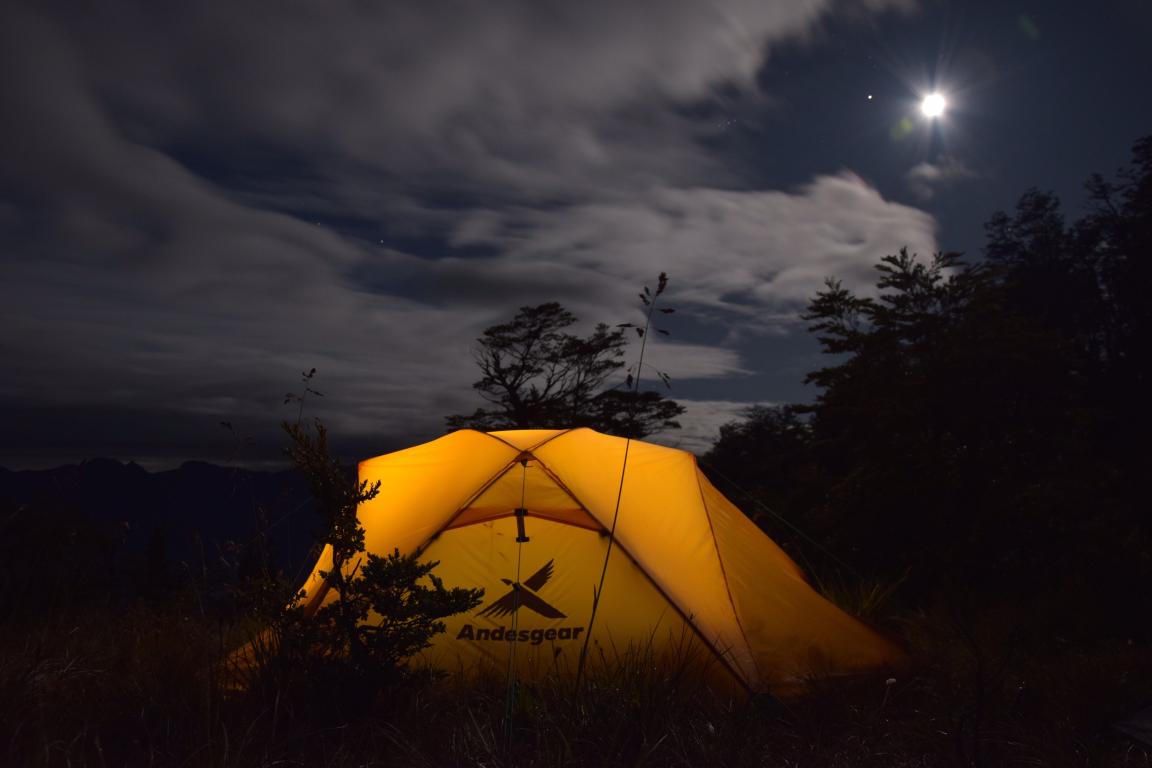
x=660, y=590
x=724, y=572
x=535, y=516
x=732, y=669
x=497, y=439
x=467, y=501
x=547, y=440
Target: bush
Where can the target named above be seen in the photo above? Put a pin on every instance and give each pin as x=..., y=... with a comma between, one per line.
x=384, y=610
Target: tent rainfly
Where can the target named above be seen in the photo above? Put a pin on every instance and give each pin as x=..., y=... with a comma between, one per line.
x=525, y=514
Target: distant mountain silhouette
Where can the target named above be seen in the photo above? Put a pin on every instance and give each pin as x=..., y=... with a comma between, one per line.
x=186, y=511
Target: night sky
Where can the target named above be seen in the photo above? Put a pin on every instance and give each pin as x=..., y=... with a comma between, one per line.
x=200, y=200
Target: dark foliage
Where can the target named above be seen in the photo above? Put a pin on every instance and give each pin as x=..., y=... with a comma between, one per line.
x=982, y=427
x=535, y=374
x=764, y=461
x=385, y=608
x=136, y=687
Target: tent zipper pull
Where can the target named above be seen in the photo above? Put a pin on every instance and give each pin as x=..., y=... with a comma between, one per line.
x=521, y=537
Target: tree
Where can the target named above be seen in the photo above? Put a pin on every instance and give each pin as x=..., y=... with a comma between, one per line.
x=1049, y=273
x=1120, y=229
x=387, y=608
x=878, y=425
x=766, y=455
x=986, y=424
x=957, y=430
x=534, y=374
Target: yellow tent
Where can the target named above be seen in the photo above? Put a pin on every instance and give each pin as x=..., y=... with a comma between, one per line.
x=688, y=572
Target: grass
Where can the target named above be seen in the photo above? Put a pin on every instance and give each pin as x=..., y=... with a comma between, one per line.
x=136, y=686
x=96, y=672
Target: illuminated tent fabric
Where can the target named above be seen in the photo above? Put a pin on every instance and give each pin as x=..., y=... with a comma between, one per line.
x=689, y=573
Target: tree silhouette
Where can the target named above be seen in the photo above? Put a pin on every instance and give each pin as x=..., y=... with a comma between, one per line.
x=767, y=455
x=986, y=424
x=534, y=374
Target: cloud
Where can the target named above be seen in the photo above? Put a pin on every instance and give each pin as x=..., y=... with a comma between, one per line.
x=528, y=98
x=925, y=179
x=755, y=255
x=683, y=362
x=130, y=282
x=701, y=422
x=157, y=187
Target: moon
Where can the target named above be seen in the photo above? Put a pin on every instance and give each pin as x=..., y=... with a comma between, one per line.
x=933, y=105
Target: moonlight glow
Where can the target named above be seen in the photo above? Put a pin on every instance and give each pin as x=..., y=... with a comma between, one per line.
x=933, y=105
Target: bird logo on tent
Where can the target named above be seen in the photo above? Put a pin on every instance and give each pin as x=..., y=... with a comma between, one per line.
x=524, y=596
